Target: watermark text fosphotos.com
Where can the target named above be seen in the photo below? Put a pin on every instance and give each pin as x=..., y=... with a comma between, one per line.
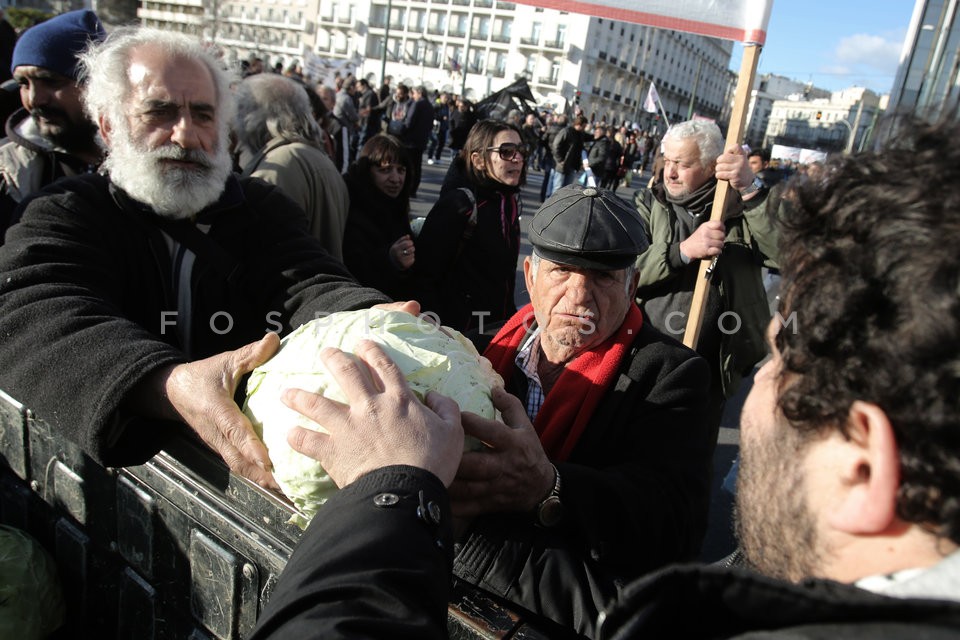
x=222, y=322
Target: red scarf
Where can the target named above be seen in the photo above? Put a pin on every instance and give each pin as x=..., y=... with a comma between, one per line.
x=572, y=400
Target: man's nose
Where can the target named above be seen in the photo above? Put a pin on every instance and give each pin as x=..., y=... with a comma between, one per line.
x=37, y=96
x=185, y=133
x=578, y=288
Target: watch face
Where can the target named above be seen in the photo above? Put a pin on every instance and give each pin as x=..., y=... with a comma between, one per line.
x=550, y=512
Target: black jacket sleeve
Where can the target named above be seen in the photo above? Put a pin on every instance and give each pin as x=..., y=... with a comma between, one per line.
x=87, y=309
x=363, y=570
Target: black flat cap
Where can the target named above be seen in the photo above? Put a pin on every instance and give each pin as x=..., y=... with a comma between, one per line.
x=589, y=228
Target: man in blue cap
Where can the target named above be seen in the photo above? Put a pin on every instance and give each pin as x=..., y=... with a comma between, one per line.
x=50, y=136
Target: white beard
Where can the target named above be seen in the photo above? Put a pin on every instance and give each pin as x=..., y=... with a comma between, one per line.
x=173, y=192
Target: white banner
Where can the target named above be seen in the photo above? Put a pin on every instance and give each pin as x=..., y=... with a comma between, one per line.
x=741, y=20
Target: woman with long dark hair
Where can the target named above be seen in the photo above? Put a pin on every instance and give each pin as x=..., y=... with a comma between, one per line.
x=468, y=247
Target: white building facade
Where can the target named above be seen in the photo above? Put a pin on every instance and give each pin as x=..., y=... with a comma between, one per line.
x=473, y=47
x=767, y=89
x=841, y=122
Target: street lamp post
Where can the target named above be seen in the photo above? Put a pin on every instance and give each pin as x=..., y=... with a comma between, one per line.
x=386, y=41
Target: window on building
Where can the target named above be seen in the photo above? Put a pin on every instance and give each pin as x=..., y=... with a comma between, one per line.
x=398, y=17
x=481, y=27
x=501, y=63
x=503, y=28
x=437, y=23
x=458, y=26
x=417, y=20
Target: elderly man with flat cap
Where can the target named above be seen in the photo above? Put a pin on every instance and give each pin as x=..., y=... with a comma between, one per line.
x=601, y=472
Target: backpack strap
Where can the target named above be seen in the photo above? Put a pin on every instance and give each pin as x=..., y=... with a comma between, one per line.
x=471, y=220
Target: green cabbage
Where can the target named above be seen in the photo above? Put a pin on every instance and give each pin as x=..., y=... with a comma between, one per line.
x=431, y=359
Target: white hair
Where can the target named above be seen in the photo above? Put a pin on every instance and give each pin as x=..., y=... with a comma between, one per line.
x=172, y=192
x=706, y=134
x=272, y=106
x=104, y=71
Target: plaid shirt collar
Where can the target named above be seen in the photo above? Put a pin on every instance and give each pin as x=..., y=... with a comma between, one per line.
x=528, y=357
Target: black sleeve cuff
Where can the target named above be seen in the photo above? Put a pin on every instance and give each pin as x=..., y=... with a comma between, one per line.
x=408, y=488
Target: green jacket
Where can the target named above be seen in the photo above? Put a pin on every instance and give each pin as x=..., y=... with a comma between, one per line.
x=750, y=244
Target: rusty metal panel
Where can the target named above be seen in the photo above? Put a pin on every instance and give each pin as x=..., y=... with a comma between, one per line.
x=223, y=587
x=69, y=492
x=136, y=526
x=13, y=436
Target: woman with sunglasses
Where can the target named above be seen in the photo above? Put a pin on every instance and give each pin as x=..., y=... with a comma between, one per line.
x=468, y=247
x=377, y=243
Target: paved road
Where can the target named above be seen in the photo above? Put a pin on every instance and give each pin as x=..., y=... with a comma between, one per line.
x=719, y=541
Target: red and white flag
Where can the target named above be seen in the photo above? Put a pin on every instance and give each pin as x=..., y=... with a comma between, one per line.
x=653, y=98
x=741, y=20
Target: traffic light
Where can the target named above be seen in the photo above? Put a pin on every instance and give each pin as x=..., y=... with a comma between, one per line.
x=819, y=114
x=576, y=98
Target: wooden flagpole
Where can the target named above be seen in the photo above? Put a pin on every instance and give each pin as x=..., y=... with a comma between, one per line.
x=738, y=118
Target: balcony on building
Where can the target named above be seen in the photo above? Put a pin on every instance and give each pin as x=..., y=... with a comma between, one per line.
x=498, y=72
x=176, y=17
x=556, y=43
x=502, y=38
x=330, y=23
x=530, y=42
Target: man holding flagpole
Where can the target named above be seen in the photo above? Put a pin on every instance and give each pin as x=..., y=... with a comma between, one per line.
x=676, y=212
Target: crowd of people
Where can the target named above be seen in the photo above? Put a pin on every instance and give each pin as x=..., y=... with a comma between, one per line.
x=165, y=222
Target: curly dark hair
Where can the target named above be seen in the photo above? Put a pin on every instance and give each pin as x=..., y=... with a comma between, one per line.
x=871, y=268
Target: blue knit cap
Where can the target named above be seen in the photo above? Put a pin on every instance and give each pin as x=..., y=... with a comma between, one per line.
x=54, y=44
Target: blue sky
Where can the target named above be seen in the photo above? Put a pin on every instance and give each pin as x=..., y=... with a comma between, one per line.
x=835, y=43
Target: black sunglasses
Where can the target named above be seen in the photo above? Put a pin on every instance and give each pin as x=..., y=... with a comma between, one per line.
x=509, y=150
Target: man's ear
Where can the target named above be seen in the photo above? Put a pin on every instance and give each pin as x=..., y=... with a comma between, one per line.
x=528, y=273
x=105, y=129
x=869, y=470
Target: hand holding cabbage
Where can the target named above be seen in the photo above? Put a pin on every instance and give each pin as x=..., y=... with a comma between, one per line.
x=428, y=358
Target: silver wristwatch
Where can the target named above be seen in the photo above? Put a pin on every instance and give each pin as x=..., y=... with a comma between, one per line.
x=550, y=509
x=753, y=187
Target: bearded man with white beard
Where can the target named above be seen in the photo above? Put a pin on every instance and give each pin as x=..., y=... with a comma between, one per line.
x=138, y=299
